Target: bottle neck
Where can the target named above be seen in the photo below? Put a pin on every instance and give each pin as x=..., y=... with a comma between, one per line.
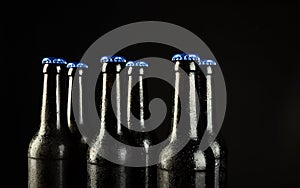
x=189, y=101
x=80, y=102
x=135, y=98
x=53, y=112
x=70, y=113
x=78, y=91
x=209, y=101
x=109, y=111
x=118, y=105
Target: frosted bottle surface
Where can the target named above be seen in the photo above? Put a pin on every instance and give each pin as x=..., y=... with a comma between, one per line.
x=137, y=109
x=218, y=146
x=102, y=172
x=75, y=87
x=51, y=149
x=189, y=167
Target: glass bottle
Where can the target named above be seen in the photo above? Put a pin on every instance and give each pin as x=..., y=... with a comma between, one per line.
x=51, y=148
x=188, y=167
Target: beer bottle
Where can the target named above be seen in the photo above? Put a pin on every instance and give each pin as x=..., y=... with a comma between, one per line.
x=217, y=144
x=137, y=99
x=80, y=144
x=50, y=149
x=188, y=167
x=101, y=171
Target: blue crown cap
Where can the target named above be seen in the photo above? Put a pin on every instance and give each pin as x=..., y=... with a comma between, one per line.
x=71, y=65
x=141, y=64
x=207, y=62
x=114, y=59
x=82, y=65
x=47, y=60
x=59, y=61
x=136, y=64
x=186, y=57
x=130, y=64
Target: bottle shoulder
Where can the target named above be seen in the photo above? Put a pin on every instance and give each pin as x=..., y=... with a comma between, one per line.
x=101, y=147
x=220, y=145
x=217, y=148
x=189, y=157
x=51, y=145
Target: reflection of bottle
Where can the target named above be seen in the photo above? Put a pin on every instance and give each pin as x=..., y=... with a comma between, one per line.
x=188, y=167
x=137, y=101
x=80, y=145
x=50, y=149
x=217, y=145
x=102, y=172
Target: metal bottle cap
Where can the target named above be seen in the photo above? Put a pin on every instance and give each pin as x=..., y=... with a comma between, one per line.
x=113, y=59
x=186, y=57
x=71, y=65
x=136, y=64
x=207, y=62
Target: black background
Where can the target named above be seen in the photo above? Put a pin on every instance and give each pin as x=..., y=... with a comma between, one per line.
x=256, y=46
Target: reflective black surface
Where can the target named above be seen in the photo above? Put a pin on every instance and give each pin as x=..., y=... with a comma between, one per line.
x=108, y=174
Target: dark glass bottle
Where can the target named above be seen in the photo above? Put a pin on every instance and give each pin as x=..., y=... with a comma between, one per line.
x=50, y=150
x=188, y=167
x=80, y=144
x=103, y=172
x=217, y=146
x=137, y=101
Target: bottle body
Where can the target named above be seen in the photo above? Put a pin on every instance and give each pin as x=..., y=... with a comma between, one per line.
x=49, y=173
x=49, y=161
x=187, y=168
x=104, y=173
x=218, y=161
x=51, y=148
